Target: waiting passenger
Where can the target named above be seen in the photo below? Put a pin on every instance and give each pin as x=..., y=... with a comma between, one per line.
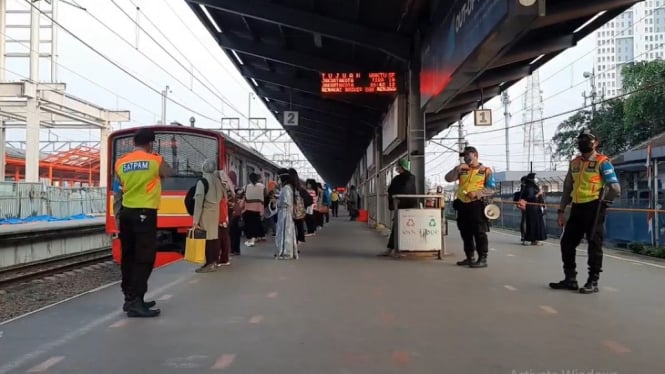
x=269, y=213
x=255, y=194
x=531, y=198
x=310, y=219
x=224, y=221
x=299, y=217
x=236, y=224
x=404, y=183
x=352, y=203
x=285, y=239
x=206, y=213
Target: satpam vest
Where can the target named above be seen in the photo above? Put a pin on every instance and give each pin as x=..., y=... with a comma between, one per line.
x=471, y=180
x=587, y=178
x=138, y=172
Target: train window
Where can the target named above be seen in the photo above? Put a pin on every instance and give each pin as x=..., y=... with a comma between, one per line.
x=184, y=152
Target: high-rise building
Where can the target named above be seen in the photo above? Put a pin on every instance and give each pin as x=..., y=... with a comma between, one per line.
x=637, y=34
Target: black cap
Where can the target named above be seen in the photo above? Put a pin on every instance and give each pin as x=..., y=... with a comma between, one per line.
x=587, y=133
x=467, y=150
x=144, y=136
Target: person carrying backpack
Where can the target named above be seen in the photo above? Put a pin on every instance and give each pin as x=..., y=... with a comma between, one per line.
x=301, y=202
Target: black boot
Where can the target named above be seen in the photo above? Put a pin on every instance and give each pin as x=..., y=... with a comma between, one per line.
x=128, y=301
x=569, y=283
x=591, y=285
x=481, y=263
x=137, y=308
x=467, y=262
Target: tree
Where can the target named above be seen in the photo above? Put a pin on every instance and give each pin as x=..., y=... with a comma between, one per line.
x=609, y=126
x=644, y=108
x=566, y=134
x=622, y=122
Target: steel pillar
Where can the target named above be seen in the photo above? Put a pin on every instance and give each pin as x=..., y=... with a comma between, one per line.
x=32, y=106
x=379, y=186
x=417, y=134
x=3, y=139
x=3, y=131
x=104, y=154
x=3, y=38
x=54, y=42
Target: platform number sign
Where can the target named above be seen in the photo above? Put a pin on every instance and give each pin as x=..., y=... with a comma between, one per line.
x=483, y=117
x=290, y=118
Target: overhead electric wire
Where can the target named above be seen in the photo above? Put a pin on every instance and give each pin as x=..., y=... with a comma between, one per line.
x=220, y=96
x=231, y=73
x=131, y=102
x=126, y=71
x=113, y=31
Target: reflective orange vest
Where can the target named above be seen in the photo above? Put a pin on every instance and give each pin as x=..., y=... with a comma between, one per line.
x=587, y=178
x=138, y=172
x=472, y=180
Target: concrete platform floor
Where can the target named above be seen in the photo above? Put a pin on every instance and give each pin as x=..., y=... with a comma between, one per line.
x=341, y=309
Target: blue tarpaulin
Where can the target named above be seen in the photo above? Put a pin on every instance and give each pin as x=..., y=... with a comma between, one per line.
x=15, y=221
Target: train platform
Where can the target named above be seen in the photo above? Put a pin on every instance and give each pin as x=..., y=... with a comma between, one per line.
x=341, y=309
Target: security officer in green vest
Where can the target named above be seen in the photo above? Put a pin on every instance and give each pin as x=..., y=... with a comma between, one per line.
x=475, y=183
x=136, y=202
x=591, y=185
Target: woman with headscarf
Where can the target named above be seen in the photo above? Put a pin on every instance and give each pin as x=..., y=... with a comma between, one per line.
x=206, y=213
x=285, y=238
x=531, y=201
x=304, y=195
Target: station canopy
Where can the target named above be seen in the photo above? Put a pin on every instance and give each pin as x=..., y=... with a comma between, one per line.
x=296, y=53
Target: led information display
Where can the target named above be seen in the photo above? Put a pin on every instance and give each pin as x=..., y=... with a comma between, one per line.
x=349, y=83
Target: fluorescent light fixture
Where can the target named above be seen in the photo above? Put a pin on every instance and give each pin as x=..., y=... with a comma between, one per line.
x=268, y=100
x=536, y=59
x=588, y=22
x=254, y=82
x=205, y=10
x=237, y=57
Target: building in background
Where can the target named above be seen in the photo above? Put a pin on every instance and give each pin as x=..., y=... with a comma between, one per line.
x=637, y=34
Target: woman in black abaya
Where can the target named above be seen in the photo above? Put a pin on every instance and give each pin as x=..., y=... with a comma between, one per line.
x=533, y=213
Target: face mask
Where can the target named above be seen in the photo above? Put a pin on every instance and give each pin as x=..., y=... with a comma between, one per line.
x=585, y=146
x=468, y=160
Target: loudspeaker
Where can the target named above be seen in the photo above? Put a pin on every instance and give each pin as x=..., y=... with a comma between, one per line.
x=492, y=211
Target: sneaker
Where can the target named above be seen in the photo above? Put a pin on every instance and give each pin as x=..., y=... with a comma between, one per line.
x=206, y=269
x=219, y=265
x=566, y=284
x=589, y=287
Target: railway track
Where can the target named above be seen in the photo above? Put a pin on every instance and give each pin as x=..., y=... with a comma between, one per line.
x=44, y=268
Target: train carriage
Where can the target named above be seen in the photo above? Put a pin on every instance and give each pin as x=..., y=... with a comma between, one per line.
x=185, y=149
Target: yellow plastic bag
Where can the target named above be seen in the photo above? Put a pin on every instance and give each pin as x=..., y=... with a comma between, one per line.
x=195, y=247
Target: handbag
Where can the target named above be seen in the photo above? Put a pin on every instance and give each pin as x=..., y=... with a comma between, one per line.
x=323, y=209
x=195, y=246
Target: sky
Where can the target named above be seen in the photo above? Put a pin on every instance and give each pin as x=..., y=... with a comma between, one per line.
x=201, y=78
x=206, y=84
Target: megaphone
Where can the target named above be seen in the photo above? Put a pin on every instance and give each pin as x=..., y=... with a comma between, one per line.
x=492, y=211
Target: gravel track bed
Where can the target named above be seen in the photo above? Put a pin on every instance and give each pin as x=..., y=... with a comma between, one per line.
x=25, y=297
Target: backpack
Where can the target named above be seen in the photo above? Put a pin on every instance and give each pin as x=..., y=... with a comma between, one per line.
x=307, y=198
x=299, y=211
x=189, y=197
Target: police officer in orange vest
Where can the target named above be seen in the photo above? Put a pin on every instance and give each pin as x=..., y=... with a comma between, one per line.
x=476, y=182
x=591, y=185
x=136, y=202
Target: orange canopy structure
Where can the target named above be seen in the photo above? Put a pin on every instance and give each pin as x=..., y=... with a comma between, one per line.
x=77, y=166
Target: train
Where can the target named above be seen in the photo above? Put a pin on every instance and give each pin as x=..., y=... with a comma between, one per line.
x=184, y=149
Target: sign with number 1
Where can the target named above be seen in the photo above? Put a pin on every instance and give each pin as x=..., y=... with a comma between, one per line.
x=483, y=117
